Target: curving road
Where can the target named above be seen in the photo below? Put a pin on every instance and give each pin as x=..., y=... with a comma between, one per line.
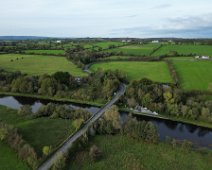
x=68, y=143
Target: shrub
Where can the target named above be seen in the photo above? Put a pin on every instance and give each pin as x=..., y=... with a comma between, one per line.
x=95, y=153
x=60, y=163
x=25, y=110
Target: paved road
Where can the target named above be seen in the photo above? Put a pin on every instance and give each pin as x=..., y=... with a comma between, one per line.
x=68, y=143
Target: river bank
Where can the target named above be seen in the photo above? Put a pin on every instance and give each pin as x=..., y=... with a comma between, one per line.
x=99, y=104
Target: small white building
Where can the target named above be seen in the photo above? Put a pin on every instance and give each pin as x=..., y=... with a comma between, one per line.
x=205, y=57
x=196, y=57
x=58, y=41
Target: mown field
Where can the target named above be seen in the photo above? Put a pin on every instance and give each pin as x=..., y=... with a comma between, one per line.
x=38, y=132
x=156, y=71
x=137, y=50
x=185, y=49
x=37, y=65
x=48, y=52
x=193, y=74
x=9, y=159
x=122, y=153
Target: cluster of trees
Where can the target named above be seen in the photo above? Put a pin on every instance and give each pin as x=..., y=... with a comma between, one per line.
x=62, y=111
x=166, y=99
x=9, y=135
x=140, y=130
x=64, y=85
x=110, y=123
x=85, y=57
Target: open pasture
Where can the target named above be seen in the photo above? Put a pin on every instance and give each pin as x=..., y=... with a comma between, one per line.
x=193, y=74
x=185, y=49
x=46, y=52
x=103, y=45
x=156, y=71
x=136, y=50
x=122, y=153
x=37, y=64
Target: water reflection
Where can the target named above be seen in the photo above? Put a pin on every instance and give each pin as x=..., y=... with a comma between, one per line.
x=197, y=135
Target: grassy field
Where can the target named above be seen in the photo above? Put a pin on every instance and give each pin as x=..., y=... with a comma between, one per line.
x=193, y=74
x=122, y=153
x=38, y=132
x=156, y=71
x=36, y=65
x=137, y=50
x=103, y=45
x=9, y=159
x=49, y=52
x=185, y=49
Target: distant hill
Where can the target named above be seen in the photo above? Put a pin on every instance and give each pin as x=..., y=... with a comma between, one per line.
x=22, y=38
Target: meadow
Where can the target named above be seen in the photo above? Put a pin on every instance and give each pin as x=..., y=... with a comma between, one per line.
x=123, y=153
x=184, y=49
x=37, y=64
x=136, y=50
x=9, y=159
x=46, y=52
x=156, y=71
x=38, y=132
x=193, y=74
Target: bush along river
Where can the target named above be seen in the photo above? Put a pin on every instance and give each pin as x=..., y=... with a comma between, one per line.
x=199, y=136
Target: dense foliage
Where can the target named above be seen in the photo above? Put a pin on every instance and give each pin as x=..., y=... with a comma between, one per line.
x=63, y=85
x=168, y=100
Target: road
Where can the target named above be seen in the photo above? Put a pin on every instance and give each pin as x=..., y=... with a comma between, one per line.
x=68, y=143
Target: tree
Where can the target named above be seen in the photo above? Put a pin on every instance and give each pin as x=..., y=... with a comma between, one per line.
x=112, y=115
x=62, y=77
x=25, y=110
x=77, y=123
x=46, y=150
x=131, y=102
x=60, y=163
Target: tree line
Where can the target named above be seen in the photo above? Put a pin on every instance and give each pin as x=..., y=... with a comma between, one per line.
x=167, y=100
x=63, y=84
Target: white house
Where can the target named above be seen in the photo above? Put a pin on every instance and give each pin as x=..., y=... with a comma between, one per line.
x=205, y=57
x=196, y=57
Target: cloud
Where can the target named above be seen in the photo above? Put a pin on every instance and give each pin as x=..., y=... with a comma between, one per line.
x=188, y=27
x=79, y=18
x=162, y=6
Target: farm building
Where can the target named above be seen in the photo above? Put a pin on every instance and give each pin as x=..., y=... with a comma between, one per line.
x=155, y=41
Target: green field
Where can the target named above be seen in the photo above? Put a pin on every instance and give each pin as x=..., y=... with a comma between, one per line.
x=137, y=50
x=9, y=159
x=122, y=153
x=156, y=71
x=37, y=65
x=103, y=45
x=185, y=49
x=38, y=132
x=193, y=74
x=48, y=52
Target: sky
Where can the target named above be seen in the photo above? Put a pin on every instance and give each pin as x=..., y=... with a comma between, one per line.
x=107, y=18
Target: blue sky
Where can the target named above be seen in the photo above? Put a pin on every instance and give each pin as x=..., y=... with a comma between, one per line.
x=107, y=18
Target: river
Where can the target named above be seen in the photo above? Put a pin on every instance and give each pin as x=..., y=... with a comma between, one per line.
x=199, y=136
